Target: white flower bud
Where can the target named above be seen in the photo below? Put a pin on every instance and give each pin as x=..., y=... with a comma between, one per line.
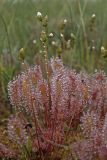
x=34, y=41
x=39, y=16
x=65, y=21
x=61, y=35
x=51, y=35
x=93, y=16
x=102, y=49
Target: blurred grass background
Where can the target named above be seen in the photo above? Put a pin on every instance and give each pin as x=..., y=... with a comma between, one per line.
x=19, y=28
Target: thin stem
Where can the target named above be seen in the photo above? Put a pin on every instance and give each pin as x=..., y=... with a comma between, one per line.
x=84, y=30
x=6, y=30
x=37, y=134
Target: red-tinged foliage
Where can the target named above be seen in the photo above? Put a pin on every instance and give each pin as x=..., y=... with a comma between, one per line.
x=68, y=110
x=6, y=151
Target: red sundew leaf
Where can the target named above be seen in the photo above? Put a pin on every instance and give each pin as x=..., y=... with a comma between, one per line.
x=24, y=87
x=58, y=88
x=16, y=130
x=85, y=92
x=58, y=136
x=82, y=149
x=50, y=72
x=103, y=153
x=5, y=151
x=13, y=88
x=42, y=88
x=100, y=76
x=56, y=64
x=94, y=95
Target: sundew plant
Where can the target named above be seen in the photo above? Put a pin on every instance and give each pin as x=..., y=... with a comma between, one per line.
x=59, y=114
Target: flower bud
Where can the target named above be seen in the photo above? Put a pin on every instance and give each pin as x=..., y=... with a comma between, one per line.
x=43, y=37
x=65, y=21
x=51, y=35
x=54, y=44
x=102, y=49
x=93, y=16
x=45, y=21
x=21, y=54
x=34, y=41
x=39, y=16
